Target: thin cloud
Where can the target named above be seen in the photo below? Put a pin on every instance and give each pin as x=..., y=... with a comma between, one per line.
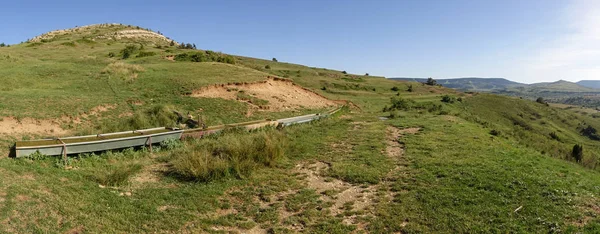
x=576, y=54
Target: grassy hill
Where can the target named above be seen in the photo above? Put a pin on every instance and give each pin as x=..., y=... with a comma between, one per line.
x=471, y=84
x=469, y=163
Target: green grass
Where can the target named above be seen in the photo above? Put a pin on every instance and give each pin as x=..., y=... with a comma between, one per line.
x=453, y=177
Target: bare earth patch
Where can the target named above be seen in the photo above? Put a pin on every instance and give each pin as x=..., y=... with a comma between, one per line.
x=281, y=94
x=150, y=174
x=13, y=126
x=359, y=197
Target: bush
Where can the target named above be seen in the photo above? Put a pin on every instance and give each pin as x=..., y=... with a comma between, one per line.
x=274, y=60
x=111, y=54
x=554, y=136
x=234, y=154
x=206, y=56
x=590, y=132
x=410, y=88
x=400, y=104
x=494, y=132
x=448, y=99
x=128, y=51
x=344, y=72
x=431, y=81
x=395, y=89
x=577, y=152
x=540, y=100
x=267, y=67
x=2, y=44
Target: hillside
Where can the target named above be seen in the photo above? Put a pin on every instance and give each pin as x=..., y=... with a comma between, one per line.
x=589, y=83
x=561, y=91
x=470, y=84
x=395, y=159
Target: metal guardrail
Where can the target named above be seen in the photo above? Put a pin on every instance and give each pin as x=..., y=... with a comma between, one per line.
x=99, y=143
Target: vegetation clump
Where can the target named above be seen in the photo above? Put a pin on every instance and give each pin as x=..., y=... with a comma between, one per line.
x=235, y=154
x=205, y=56
x=128, y=51
x=431, y=82
x=590, y=132
x=577, y=152
x=125, y=71
x=448, y=99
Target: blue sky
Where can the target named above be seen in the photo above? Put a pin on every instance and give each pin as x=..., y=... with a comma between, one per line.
x=527, y=41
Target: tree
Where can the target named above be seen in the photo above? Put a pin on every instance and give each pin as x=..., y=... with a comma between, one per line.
x=577, y=152
x=344, y=72
x=2, y=44
x=366, y=74
x=540, y=100
x=274, y=60
x=431, y=81
x=172, y=43
x=194, y=45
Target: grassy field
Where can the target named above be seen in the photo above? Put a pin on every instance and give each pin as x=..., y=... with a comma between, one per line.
x=475, y=163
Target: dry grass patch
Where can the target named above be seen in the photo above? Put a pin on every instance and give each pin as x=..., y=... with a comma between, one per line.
x=125, y=71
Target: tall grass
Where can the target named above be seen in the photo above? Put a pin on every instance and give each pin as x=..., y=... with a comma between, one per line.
x=234, y=154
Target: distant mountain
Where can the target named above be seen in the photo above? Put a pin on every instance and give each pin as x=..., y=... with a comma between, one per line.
x=471, y=83
x=584, y=93
x=560, y=86
x=590, y=83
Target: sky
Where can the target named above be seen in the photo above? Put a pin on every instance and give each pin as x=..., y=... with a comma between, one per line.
x=526, y=41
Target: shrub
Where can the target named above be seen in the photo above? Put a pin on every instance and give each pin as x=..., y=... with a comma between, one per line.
x=2, y=44
x=128, y=51
x=494, y=132
x=540, y=100
x=399, y=103
x=267, y=67
x=590, y=132
x=344, y=72
x=206, y=56
x=111, y=54
x=395, y=89
x=431, y=81
x=274, y=60
x=410, y=88
x=448, y=99
x=577, y=152
x=554, y=136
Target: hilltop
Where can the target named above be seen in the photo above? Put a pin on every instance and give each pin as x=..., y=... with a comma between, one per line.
x=401, y=156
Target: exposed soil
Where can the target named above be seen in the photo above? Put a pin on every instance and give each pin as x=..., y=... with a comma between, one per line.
x=13, y=126
x=281, y=94
x=359, y=197
x=151, y=174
